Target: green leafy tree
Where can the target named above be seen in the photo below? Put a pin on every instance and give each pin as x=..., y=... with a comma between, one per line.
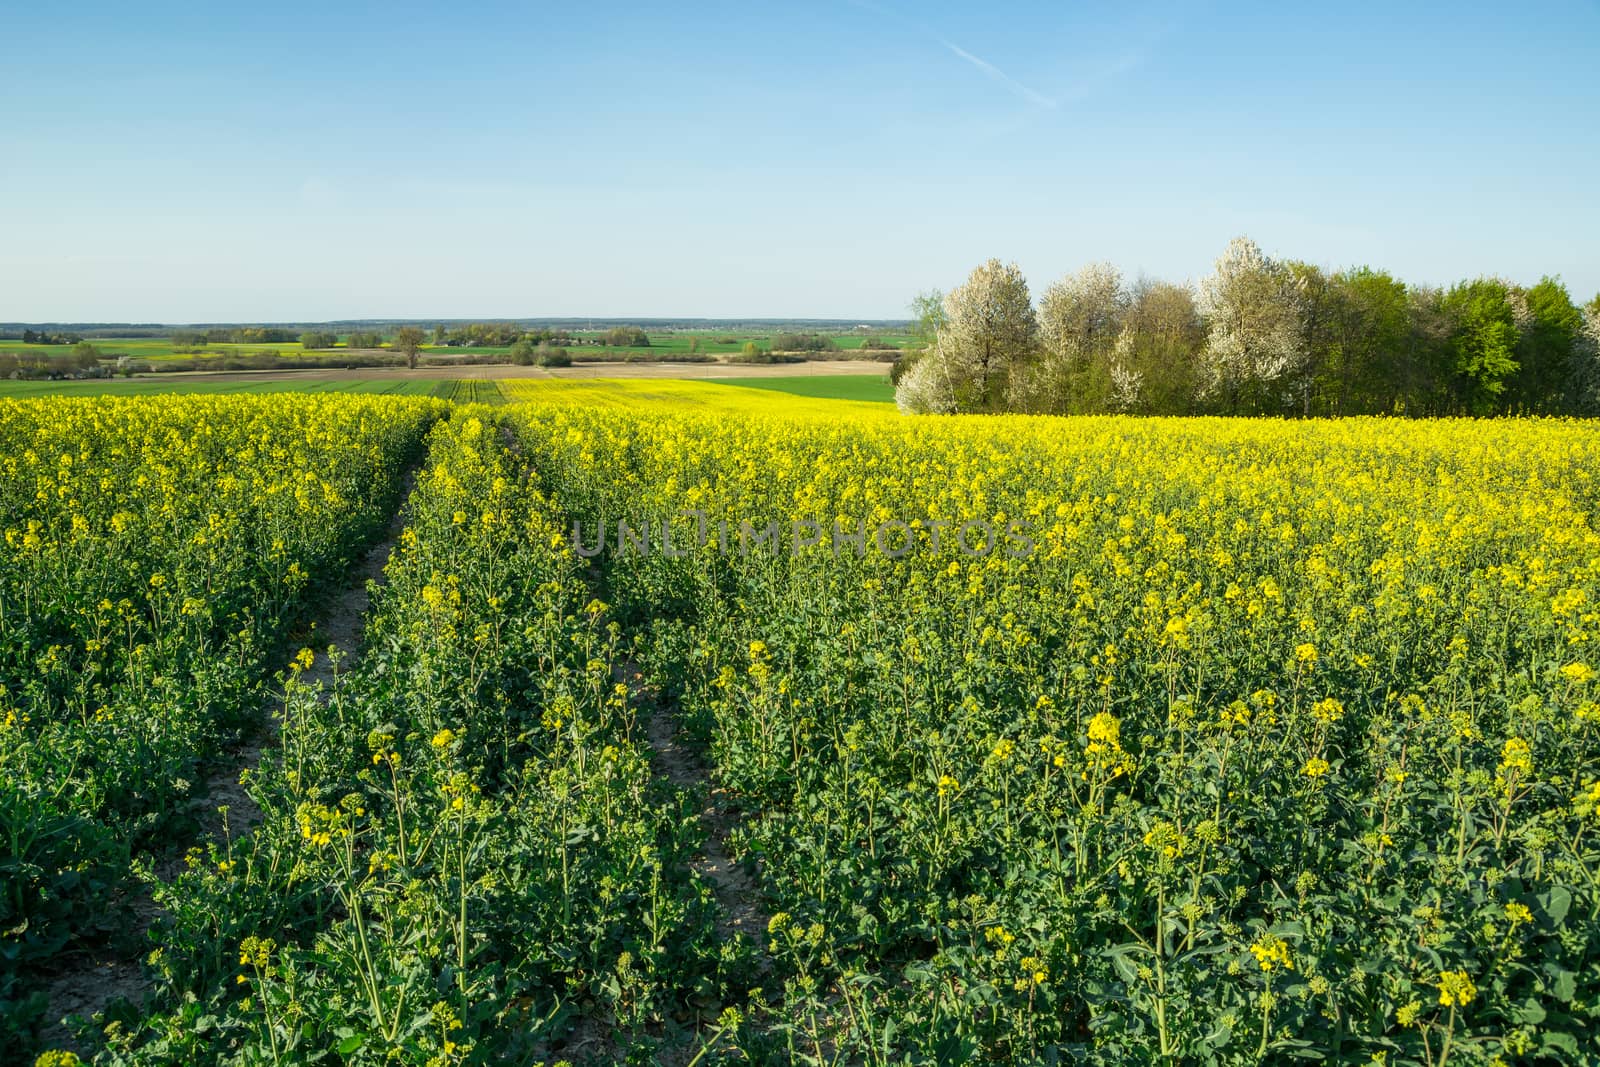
x=85, y=357
x=1309, y=380
x=408, y=341
x=625, y=337
x=1165, y=336
x=1483, y=342
x=1362, y=360
x=1550, y=328
x=927, y=316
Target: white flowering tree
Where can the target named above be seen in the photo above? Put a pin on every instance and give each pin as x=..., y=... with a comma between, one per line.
x=989, y=331
x=1254, y=339
x=1586, y=360
x=1082, y=312
x=1127, y=380
x=926, y=388
x=1080, y=319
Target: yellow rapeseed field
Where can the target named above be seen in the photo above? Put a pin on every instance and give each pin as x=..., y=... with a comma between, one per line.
x=678, y=394
x=1101, y=740
x=1212, y=740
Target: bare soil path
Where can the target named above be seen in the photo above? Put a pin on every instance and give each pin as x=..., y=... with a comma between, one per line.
x=90, y=980
x=739, y=904
x=737, y=892
x=740, y=910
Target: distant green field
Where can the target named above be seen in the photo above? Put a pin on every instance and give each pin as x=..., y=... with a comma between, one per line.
x=178, y=384
x=714, y=341
x=160, y=348
x=662, y=346
x=872, y=387
x=666, y=345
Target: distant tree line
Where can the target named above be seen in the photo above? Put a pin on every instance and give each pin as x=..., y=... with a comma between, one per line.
x=494, y=335
x=83, y=361
x=477, y=335
x=470, y=335
x=1257, y=336
x=483, y=335
x=236, y=335
x=625, y=337
x=547, y=336
x=528, y=352
x=44, y=337
x=803, y=342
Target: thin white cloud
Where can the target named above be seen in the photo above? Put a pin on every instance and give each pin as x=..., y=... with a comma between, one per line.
x=995, y=74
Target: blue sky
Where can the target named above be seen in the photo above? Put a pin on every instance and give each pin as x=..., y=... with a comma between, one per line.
x=216, y=162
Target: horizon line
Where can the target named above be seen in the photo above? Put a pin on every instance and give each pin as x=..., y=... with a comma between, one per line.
x=664, y=320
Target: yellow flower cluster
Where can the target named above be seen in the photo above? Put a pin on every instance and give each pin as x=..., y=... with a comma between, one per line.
x=1272, y=954
x=1456, y=989
x=1315, y=767
x=1104, y=748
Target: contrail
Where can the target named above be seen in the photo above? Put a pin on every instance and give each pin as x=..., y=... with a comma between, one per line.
x=996, y=74
x=1033, y=96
